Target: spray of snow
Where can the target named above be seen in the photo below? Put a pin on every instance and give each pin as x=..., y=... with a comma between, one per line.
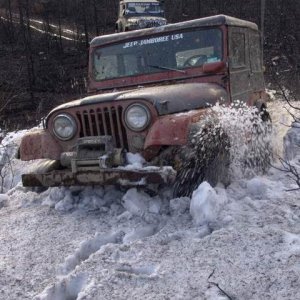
x=250, y=137
x=291, y=142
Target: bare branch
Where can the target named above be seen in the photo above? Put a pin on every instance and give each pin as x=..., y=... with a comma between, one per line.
x=291, y=170
x=284, y=94
x=6, y=160
x=217, y=285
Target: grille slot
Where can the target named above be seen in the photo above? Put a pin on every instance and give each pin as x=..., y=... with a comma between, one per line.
x=103, y=121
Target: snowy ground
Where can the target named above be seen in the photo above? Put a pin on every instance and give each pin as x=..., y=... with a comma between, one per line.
x=242, y=242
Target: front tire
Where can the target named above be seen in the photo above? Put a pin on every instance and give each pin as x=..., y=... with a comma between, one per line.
x=206, y=158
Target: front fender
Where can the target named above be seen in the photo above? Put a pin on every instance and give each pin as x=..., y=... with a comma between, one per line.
x=173, y=129
x=39, y=144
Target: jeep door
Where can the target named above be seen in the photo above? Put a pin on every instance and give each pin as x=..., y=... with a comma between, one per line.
x=239, y=64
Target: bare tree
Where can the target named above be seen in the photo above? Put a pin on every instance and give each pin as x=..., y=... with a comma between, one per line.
x=26, y=34
x=287, y=165
x=6, y=168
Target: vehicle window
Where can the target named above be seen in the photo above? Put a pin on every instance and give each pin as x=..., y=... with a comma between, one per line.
x=255, y=53
x=106, y=66
x=143, y=8
x=130, y=64
x=194, y=56
x=237, y=49
x=163, y=53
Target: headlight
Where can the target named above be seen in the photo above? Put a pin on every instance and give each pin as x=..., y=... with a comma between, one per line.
x=64, y=127
x=137, y=117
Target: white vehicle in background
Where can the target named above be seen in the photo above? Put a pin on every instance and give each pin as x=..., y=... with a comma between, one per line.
x=140, y=14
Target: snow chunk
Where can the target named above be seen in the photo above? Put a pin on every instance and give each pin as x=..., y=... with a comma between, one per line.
x=54, y=196
x=205, y=204
x=135, y=160
x=66, y=204
x=139, y=203
x=3, y=200
x=88, y=198
x=136, y=202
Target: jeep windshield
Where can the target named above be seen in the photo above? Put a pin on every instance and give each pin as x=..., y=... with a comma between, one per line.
x=143, y=8
x=159, y=53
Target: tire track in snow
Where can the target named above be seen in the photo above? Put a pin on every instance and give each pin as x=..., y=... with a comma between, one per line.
x=67, y=288
x=70, y=285
x=145, y=271
x=89, y=247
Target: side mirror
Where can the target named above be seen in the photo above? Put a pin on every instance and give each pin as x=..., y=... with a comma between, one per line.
x=213, y=67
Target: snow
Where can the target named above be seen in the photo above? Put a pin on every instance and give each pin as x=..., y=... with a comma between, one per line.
x=3, y=200
x=135, y=160
x=86, y=248
x=271, y=94
x=205, y=204
x=104, y=243
x=139, y=203
x=257, y=187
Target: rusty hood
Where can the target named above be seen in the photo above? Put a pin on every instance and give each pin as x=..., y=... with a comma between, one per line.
x=166, y=99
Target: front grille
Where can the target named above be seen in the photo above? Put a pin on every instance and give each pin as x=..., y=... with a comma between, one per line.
x=106, y=120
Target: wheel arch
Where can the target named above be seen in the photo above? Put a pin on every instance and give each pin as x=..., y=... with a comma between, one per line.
x=172, y=130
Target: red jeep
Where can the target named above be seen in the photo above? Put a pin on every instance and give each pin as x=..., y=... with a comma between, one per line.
x=149, y=88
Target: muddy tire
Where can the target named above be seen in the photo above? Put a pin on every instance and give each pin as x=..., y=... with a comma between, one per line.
x=206, y=158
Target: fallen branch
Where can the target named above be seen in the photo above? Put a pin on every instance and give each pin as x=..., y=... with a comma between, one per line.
x=217, y=285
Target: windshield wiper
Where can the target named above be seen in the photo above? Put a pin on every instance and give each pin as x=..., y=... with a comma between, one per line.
x=166, y=68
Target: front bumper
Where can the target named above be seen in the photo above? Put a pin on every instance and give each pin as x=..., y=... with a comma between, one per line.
x=115, y=176
x=95, y=162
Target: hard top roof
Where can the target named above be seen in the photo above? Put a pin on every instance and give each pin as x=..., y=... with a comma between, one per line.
x=128, y=1
x=203, y=22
